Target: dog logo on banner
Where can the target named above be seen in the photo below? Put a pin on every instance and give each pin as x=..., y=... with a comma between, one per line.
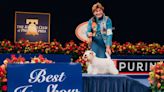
x=32, y=27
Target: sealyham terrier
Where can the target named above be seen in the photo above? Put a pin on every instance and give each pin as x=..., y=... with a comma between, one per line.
x=99, y=65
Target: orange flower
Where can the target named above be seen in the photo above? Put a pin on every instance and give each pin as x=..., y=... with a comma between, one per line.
x=162, y=77
x=160, y=63
x=157, y=66
x=5, y=62
x=158, y=85
x=162, y=72
x=157, y=71
x=4, y=80
x=152, y=68
x=157, y=76
x=151, y=82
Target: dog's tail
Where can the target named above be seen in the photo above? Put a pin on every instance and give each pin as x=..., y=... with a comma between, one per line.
x=112, y=64
x=107, y=55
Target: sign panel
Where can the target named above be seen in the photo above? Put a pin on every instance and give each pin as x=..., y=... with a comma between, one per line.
x=32, y=26
x=58, y=77
x=135, y=66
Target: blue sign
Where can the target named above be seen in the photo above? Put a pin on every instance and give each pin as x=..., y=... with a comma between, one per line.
x=58, y=77
x=32, y=26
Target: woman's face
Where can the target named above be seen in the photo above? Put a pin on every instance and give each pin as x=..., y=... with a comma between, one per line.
x=98, y=13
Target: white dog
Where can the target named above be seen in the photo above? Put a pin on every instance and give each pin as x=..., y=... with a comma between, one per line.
x=99, y=65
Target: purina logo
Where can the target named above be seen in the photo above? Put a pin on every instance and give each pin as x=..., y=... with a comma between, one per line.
x=44, y=78
x=135, y=66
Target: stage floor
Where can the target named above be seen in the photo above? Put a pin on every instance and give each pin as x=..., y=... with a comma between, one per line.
x=114, y=83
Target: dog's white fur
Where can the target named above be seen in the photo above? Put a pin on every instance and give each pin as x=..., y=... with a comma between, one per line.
x=99, y=65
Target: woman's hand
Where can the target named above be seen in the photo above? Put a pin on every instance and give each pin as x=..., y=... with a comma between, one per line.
x=108, y=50
x=89, y=37
x=90, y=34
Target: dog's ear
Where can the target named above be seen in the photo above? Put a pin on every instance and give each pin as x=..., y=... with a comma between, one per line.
x=93, y=53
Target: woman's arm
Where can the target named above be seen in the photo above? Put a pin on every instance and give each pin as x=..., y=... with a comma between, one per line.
x=89, y=33
x=89, y=28
x=109, y=35
x=109, y=32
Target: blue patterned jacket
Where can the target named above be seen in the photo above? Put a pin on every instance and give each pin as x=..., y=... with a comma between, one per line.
x=104, y=28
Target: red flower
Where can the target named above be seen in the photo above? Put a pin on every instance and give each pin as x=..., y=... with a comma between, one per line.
x=4, y=88
x=2, y=72
x=36, y=60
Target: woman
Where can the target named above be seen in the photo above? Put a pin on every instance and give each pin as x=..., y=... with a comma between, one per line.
x=100, y=31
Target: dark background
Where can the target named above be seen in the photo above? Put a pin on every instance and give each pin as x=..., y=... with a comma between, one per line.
x=134, y=20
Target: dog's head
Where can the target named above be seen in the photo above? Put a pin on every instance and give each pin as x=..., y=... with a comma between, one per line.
x=89, y=55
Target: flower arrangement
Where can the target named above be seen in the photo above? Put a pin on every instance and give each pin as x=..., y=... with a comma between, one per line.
x=17, y=60
x=71, y=48
x=156, y=77
x=127, y=48
x=76, y=50
x=139, y=48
